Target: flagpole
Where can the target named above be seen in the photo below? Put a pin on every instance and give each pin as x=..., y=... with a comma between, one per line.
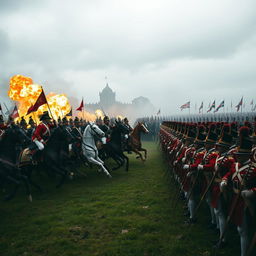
x=33, y=113
x=48, y=105
x=2, y=112
x=7, y=109
x=83, y=108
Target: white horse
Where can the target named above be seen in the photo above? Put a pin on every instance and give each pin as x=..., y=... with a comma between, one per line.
x=90, y=150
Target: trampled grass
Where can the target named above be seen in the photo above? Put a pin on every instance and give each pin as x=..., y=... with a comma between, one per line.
x=130, y=214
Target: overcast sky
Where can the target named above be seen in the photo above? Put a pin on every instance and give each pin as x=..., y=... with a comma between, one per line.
x=170, y=51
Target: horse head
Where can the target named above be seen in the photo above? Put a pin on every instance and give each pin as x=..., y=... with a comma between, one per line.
x=142, y=127
x=95, y=131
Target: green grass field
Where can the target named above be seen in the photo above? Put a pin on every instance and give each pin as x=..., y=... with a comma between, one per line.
x=130, y=214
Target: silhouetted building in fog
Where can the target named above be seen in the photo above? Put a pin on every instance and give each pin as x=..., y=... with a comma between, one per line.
x=112, y=107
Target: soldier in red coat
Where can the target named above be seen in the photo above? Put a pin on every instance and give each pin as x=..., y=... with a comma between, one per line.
x=192, y=170
x=42, y=131
x=242, y=175
x=207, y=168
x=222, y=164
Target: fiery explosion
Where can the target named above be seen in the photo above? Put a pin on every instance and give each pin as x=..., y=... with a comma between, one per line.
x=26, y=92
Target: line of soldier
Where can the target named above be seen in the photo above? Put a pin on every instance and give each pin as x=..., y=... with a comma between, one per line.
x=210, y=162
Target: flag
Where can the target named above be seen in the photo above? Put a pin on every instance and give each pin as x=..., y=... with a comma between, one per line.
x=239, y=104
x=80, y=108
x=220, y=106
x=211, y=107
x=186, y=105
x=70, y=113
x=201, y=107
x=158, y=112
x=15, y=112
x=41, y=100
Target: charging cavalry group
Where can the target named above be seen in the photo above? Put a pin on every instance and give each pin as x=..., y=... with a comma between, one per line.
x=216, y=163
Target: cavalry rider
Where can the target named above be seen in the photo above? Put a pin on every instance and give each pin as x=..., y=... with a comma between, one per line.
x=77, y=133
x=242, y=175
x=32, y=127
x=43, y=131
x=23, y=124
x=127, y=135
x=106, y=128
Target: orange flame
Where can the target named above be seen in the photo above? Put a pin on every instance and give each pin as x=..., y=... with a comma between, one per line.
x=23, y=90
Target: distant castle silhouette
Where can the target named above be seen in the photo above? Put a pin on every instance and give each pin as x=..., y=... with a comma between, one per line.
x=108, y=103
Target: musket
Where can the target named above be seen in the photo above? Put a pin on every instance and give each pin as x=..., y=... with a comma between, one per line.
x=231, y=212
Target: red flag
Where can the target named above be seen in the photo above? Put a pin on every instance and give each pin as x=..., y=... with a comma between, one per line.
x=41, y=100
x=14, y=113
x=80, y=108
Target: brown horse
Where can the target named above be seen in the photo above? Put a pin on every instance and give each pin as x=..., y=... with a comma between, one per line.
x=135, y=142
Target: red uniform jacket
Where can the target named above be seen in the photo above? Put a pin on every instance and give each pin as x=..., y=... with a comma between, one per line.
x=42, y=132
x=236, y=174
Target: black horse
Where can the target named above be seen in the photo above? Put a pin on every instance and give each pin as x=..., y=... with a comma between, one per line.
x=10, y=146
x=115, y=147
x=53, y=158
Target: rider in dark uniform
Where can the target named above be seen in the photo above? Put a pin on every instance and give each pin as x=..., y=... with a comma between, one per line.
x=77, y=133
x=127, y=135
x=32, y=127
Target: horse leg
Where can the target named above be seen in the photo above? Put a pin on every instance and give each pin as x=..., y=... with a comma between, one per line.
x=145, y=151
x=127, y=162
x=140, y=155
x=100, y=163
x=60, y=172
x=26, y=183
x=118, y=160
x=28, y=172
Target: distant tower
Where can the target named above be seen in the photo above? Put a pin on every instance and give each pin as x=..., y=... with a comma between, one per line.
x=107, y=97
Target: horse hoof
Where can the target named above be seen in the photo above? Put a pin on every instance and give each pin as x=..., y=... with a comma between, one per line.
x=30, y=198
